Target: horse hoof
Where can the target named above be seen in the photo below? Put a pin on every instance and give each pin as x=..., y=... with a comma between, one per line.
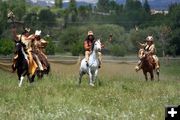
x=91, y=84
x=32, y=84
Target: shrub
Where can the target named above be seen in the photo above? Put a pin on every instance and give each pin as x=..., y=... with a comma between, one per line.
x=77, y=49
x=6, y=47
x=50, y=49
x=118, y=50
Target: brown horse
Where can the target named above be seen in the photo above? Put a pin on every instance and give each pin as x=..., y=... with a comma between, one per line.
x=148, y=64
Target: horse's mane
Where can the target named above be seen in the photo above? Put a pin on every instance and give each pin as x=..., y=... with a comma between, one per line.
x=92, y=47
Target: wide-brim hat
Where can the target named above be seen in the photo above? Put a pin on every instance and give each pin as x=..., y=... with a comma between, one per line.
x=150, y=38
x=38, y=32
x=90, y=33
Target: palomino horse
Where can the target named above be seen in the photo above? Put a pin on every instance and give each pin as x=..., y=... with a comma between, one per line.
x=92, y=69
x=22, y=64
x=147, y=64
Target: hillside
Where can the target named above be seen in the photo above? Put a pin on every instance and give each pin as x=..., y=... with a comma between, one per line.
x=155, y=4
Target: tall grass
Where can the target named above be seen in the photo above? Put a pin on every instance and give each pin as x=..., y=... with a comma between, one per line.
x=120, y=94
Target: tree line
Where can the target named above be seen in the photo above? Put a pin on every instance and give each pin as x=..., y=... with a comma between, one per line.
x=67, y=27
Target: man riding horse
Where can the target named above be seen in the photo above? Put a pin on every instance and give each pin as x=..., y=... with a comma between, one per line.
x=88, y=42
x=25, y=39
x=149, y=49
x=34, y=48
x=38, y=45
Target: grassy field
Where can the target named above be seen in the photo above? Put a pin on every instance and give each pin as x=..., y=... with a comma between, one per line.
x=119, y=94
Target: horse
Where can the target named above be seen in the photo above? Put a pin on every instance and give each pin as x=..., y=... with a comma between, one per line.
x=147, y=64
x=92, y=68
x=44, y=62
x=22, y=64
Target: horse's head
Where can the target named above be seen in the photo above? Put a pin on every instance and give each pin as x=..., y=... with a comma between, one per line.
x=97, y=46
x=18, y=47
x=141, y=54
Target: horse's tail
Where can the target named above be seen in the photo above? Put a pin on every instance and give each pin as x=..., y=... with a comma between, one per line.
x=48, y=68
x=79, y=60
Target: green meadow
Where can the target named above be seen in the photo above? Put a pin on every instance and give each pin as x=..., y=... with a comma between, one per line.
x=119, y=94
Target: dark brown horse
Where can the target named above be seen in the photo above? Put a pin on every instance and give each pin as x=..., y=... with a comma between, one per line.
x=22, y=64
x=44, y=62
x=148, y=64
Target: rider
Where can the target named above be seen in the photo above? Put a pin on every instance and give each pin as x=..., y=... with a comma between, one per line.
x=38, y=46
x=88, y=42
x=150, y=49
x=25, y=38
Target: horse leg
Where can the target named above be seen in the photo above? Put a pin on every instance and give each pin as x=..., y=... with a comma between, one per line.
x=81, y=73
x=157, y=72
x=39, y=74
x=19, y=76
x=152, y=75
x=48, y=68
x=145, y=74
x=21, y=80
x=90, y=78
x=32, y=78
x=28, y=76
x=95, y=75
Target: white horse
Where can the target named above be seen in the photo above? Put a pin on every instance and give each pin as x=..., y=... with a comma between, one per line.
x=92, y=69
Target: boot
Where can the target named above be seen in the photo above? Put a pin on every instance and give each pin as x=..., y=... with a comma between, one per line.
x=87, y=64
x=157, y=66
x=138, y=67
x=99, y=64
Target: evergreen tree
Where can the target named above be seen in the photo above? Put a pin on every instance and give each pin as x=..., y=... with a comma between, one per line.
x=133, y=13
x=72, y=10
x=72, y=5
x=146, y=6
x=58, y=3
x=103, y=5
x=46, y=18
x=174, y=18
x=3, y=14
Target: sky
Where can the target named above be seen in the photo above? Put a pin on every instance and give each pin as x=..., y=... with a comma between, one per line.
x=89, y=1
x=95, y=1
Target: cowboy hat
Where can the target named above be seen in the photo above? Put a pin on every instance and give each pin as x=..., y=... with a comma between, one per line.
x=90, y=33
